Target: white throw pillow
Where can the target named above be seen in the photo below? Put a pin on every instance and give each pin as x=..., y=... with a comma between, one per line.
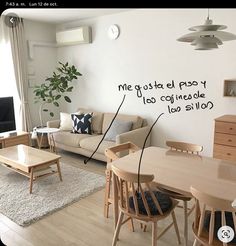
x=66, y=123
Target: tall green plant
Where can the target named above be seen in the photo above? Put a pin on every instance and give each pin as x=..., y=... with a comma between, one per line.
x=56, y=87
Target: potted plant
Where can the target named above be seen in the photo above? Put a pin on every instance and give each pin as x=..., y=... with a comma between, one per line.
x=55, y=87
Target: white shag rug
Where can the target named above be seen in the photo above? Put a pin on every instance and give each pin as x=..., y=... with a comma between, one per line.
x=49, y=193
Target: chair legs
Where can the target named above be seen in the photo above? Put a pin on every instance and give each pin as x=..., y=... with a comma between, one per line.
x=118, y=226
x=176, y=227
x=154, y=233
x=185, y=223
x=196, y=243
x=154, y=229
x=107, y=193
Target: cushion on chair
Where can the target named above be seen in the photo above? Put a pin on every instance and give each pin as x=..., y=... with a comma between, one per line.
x=164, y=200
x=218, y=224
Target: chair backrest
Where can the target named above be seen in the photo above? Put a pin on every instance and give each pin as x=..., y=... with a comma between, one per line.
x=113, y=153
x=211, y=213
x=131, y=193
x=184, y=147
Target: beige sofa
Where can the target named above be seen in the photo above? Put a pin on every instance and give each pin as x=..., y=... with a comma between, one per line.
x=85, y=144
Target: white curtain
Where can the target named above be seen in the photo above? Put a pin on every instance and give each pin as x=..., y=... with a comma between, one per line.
x=7, y=75
x=19, y=55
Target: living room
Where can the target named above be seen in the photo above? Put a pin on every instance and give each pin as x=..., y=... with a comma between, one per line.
x=132, y=52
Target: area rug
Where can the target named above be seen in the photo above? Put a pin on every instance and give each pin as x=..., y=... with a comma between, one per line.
x=49, y=194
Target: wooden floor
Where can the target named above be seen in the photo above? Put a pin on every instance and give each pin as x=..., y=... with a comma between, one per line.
x=82, y=223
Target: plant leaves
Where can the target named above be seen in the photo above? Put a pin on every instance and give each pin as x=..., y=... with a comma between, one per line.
x=65, y=84
x=78, y=73
x=70, y=89
x=57, y=97
x=56, y=104
x=56, y=85
x=67, y=99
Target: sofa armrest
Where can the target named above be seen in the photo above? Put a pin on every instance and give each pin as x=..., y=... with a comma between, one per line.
x=53, y=123
x=136, y=136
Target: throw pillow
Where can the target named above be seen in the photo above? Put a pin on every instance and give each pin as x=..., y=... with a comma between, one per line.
x=117, y=128
x=65, y=121
x=81, y=123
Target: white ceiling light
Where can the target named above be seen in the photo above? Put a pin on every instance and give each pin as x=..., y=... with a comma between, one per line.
x=207, y=36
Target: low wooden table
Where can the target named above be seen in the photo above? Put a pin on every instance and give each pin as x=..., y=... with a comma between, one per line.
x=29, y=161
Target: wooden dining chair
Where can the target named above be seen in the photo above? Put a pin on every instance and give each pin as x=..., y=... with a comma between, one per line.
x=212, y=213
x=141, y=201
x=114, y=153
x=192, y=149
x=185, y=147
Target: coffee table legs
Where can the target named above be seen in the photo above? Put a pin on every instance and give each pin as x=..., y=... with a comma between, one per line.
x=31, y=179
x=31, y=176
x=59, y=170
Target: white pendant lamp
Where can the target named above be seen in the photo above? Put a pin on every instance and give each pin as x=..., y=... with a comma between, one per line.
x=207, y=36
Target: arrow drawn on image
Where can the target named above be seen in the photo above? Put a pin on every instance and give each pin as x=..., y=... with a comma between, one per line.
x=141, y=155
x=86, y=161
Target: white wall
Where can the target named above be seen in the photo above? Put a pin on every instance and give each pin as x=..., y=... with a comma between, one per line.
x=43, y=64
x=146, y=51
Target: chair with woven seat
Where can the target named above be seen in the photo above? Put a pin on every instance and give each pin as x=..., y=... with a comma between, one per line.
x=212, y=213
x=191, y=149
x=140, y=201
x=114, y=153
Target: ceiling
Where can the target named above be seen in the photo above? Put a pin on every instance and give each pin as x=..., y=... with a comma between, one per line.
x=58, y=16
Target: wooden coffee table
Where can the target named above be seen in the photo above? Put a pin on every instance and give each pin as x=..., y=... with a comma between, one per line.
x=29, y=162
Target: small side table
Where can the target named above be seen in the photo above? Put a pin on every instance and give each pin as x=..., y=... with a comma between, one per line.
x=49, y=132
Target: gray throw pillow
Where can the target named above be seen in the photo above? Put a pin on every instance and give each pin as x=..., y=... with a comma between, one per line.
x=117, y=128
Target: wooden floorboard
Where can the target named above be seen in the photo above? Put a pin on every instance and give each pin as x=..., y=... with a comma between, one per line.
x=82, y=223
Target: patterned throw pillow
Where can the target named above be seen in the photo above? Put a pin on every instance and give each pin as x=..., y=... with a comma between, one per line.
x=81, y=123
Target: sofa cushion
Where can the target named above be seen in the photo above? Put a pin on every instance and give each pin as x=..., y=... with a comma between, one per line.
x=81, y=123
x=97, y=120
x=92, y=142
x=118, y=127
x=66, y=122
x=136, y=120
x=70, y=139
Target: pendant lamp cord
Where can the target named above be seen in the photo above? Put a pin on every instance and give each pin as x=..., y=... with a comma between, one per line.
x=208, y=14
